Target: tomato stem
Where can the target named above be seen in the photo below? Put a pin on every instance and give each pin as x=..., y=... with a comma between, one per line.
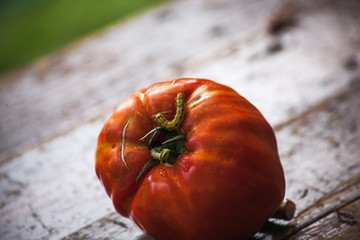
x=174, y=139
x=162, y=156
x=165, y=143
x=179, y=116
x=146, y=166
x=153, y=131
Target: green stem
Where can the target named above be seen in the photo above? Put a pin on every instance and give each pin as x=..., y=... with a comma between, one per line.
x=147, y=165
x=165, y=143
x=162, y=156
x=174, y=139
x=179, y=116
x=153, y=131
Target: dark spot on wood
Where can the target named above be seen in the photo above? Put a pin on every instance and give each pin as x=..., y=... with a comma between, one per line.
x=351, y=63
x=14, y=192
x=304, y=194
x=346, y=218
x=333, y=142
x=165, y=14
x=353, y=127
x=274, y=47
x=118, y=223
x=217, y=31
x=282, y=19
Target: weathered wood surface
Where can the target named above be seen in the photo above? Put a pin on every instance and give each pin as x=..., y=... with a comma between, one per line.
x=314, y=222
x=342, y=223
x=223, y=40
x=305, y=80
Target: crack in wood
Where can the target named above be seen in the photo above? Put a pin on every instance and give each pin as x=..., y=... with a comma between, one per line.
x=38, y=219
x=102, y=222
x=123, y=225
x=330, y=203
x=11, y=180
x=345, y=217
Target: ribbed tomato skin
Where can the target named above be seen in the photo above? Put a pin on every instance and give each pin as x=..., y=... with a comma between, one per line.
x=225, y=185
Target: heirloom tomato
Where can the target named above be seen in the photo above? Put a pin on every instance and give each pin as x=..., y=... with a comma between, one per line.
x=191, y=159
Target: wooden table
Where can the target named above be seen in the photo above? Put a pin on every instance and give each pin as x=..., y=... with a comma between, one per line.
x=298, y=62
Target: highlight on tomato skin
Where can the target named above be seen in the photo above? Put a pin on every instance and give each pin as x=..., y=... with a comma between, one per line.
x=191, y=159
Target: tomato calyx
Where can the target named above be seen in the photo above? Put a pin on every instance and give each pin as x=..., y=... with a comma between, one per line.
x=165, y=143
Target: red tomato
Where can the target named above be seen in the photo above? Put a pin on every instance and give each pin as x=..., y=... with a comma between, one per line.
x=221, y=178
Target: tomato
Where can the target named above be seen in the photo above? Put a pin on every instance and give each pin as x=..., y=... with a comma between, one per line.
x=191, y=159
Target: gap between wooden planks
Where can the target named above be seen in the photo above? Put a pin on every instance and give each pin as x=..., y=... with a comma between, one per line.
x=340, y=224
x=345, y=194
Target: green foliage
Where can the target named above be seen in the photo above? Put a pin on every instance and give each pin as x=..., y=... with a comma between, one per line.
x=32, y=28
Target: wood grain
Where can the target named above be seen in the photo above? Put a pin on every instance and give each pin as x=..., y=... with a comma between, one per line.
x=110, y=227
x=222, y=40
x=340, y=224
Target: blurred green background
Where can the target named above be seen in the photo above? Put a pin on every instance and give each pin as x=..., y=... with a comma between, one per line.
x=33, y=28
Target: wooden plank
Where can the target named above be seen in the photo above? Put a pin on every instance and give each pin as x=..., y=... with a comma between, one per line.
x=89, y=78
x=51, y=191
x=320, y=150
x=109, y=227
x=344, y=195
x=344, y=223
x=223, y=40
